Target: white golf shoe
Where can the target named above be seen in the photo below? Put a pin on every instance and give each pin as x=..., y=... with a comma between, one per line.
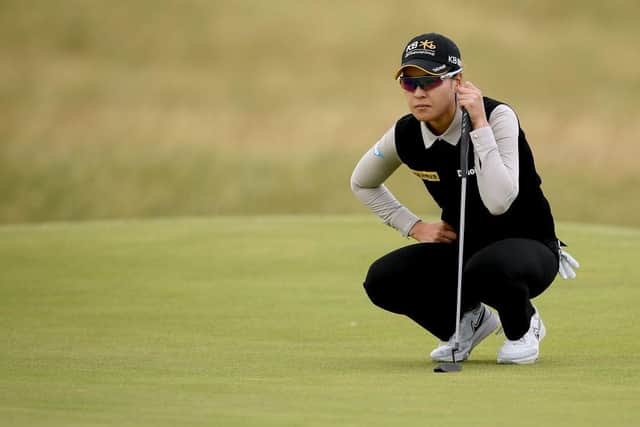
x=475, y=325
x=526, y=349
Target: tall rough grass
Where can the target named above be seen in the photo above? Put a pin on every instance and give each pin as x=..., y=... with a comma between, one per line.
x=197, y=107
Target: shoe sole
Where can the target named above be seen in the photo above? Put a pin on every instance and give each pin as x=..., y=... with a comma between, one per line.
x=523, y=361
x=485, y=330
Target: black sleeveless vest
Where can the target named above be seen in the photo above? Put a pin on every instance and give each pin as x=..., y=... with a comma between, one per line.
x=529, y=216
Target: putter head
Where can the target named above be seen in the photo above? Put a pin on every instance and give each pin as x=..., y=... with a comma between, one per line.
x=450, y=367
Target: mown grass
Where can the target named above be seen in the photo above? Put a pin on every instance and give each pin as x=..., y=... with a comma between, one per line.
x=263, y=321
x=197, y=107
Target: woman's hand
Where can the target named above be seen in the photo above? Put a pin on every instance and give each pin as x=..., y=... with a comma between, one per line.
x=436, y=232
x=470, y=97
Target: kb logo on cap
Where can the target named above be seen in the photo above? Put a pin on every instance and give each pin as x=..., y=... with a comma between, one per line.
x=425, y=44
x=428, y=44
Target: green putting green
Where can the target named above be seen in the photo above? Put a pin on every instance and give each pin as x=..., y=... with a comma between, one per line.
x=262, y=321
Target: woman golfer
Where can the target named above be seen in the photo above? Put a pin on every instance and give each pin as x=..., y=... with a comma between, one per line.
x=511, y=252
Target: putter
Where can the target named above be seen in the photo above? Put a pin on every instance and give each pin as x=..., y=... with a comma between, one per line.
x=464, y=172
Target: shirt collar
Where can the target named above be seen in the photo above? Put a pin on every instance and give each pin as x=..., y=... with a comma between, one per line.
x=451, y=135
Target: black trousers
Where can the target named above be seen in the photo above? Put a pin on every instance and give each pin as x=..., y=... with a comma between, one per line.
x=420, y=281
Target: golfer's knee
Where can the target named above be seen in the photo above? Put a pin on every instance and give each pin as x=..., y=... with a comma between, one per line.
x=376, y=285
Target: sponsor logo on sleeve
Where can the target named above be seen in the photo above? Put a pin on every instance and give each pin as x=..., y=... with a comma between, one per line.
x=377, y=152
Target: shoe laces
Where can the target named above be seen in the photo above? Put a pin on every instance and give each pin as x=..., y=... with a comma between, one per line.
x=466, y=329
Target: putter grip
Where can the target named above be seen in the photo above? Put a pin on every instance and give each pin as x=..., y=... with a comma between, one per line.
x=464, y=143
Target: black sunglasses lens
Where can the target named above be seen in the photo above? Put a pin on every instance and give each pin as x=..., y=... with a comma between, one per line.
x=410, y=84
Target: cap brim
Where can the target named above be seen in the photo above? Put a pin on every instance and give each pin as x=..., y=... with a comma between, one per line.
x=431, y=68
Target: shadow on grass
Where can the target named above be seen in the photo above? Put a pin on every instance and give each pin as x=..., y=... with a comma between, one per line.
x=402, y=366
x=396, y=364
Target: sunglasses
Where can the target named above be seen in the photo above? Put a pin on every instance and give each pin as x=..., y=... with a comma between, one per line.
x=410, y=84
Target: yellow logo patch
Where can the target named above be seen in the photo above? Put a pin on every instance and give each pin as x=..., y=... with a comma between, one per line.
x=428, y=44
x=427, y=175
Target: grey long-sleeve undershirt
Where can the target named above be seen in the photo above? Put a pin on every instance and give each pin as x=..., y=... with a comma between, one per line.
x=495, y=164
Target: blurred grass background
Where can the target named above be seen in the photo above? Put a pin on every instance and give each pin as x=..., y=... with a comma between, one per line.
x=194, y=107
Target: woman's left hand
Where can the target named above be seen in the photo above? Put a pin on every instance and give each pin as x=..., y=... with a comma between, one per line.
x=470, y=97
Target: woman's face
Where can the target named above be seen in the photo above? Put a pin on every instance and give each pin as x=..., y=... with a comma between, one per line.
x=431, y=104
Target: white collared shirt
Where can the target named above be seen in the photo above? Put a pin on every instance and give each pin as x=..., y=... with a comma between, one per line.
x=451, y=135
